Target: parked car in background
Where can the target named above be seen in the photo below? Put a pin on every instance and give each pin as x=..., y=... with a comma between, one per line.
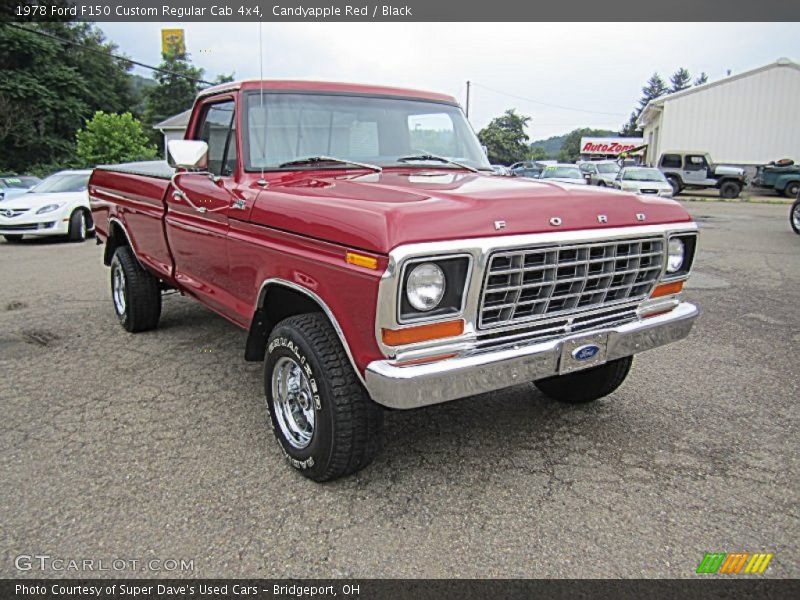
x=384, y=275
x=695, y=170
x=600, y=172
x=781, y=176
x=502, y=170
x=643, y=180
x=59, y=205
x=563, y=173
x=14, y=185
x=529, y=168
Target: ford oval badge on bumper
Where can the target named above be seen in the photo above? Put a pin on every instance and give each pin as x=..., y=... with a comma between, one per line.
x=585, y=352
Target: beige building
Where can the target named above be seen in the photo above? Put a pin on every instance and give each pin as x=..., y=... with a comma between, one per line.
x=750, y=118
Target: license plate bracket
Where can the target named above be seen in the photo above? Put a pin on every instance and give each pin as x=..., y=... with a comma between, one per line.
x=583, y=352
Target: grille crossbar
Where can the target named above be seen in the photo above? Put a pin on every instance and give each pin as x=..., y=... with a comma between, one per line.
x=533, y=283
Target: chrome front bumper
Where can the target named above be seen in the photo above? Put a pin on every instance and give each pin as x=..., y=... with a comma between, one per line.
x=470, y=374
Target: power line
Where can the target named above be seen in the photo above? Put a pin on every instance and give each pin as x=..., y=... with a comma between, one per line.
x=597, y=112
x=122, y=58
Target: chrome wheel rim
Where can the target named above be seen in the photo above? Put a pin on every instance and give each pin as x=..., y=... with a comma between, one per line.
x=293, y=402
x=118, y=289
x=796, y=216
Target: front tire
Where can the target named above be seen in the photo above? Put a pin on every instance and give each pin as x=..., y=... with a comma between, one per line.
x=676, y=185
x=730, y=190
x=794, y=216
x=322, y=417
x=136, y=293
x=78, y=229
x=586, y=386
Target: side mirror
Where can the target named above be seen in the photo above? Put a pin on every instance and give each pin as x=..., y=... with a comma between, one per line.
x=187, y=154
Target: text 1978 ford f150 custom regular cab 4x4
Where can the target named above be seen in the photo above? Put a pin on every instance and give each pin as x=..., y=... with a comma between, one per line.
x=360, y=237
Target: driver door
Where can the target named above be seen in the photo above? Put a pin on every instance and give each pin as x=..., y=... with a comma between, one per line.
x=197, y=215
x=695, y=169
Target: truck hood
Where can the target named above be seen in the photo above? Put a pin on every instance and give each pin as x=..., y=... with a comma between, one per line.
x=380, y=211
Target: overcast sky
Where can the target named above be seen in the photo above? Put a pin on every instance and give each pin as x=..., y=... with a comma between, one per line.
x=598, y=68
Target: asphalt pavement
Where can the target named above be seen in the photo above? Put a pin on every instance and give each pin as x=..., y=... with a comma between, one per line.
x=156, y=445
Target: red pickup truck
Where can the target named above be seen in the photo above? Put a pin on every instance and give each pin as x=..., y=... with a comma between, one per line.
x=360, y=237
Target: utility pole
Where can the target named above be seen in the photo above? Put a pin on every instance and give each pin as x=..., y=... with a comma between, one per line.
x=467, y=111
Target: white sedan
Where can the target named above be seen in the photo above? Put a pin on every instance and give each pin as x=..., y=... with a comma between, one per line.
x=59, y=205
x=643, y=180
x=563, y=173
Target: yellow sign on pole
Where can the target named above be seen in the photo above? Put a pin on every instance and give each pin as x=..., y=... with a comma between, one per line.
x=173, y=41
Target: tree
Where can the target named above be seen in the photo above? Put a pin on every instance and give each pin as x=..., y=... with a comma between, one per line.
x=680, y=80
x=50, y=87
x=701, y=79
x=571, y=148
x=537, y=153
x=654, y=88
x=505, y=138
x=175, y=90
x=113, y=138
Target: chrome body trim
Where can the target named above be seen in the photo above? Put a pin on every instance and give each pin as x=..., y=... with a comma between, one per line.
x=328, y=312
x=479, y=372
x=480, y=249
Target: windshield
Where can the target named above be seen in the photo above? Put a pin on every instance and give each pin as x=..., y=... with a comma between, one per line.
x=562, y=173
x=63, y=182
x=13, y=182
x=643, y=175
x=607, y=168
x=364, y=129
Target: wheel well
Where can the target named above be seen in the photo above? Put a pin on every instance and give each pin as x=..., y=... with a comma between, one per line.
x=116, y=238
x=275, y=304
x=725, y=180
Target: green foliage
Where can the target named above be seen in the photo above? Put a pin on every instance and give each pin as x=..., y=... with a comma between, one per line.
x=505, y=138
x=49, y=88
x=548, y=148
x=537, y=153
x=680, y=80
x=113, y=138
x=571, y=148
x=701, y=79
x=173, y=92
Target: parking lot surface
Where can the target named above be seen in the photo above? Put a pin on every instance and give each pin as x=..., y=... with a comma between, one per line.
x=156, y=445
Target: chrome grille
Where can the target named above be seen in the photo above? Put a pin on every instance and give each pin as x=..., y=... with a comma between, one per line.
x=535, y=283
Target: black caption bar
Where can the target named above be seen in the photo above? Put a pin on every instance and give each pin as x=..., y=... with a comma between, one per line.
x=403, y=10
x=397, y=589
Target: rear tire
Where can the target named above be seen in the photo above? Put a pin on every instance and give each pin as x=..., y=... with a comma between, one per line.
x=135, y=292
x=78, y=228
x=586, y=386
x=794, y=216
x=730, y=189
x=324, y=420
x=13, y=239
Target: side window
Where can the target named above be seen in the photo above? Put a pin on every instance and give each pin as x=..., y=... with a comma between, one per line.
x=218, y=130
x=695, y=163
x=671, y=161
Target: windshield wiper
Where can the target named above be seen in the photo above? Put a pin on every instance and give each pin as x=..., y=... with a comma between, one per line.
x=313, y=160
x=442, y=159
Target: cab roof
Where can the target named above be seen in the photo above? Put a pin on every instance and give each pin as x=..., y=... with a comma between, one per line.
x=327, y=87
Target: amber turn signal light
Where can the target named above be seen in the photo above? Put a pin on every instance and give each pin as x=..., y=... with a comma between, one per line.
x=361, y=260
x=666, y=289
x=422, y=333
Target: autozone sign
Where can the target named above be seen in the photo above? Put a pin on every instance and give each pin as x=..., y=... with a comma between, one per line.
x=608, y=145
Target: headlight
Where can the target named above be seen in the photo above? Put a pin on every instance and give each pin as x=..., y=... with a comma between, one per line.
x=48, y=208
x=425, y=286
x=676, y=252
